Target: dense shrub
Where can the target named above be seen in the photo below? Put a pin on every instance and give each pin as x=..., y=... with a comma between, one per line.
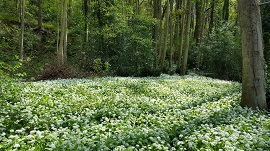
x=162, y=113
x=220, y=54
x=136, y=56
x=55, y=71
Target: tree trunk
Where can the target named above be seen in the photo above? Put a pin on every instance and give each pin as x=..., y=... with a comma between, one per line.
x=164, y=50
x=211, y=23
x=171, y=25
x=199, y=28
x=177, y=28
x=65, y=30
x=157, y=16
x=86, y=4
x=181, y=40
x=226, y=9
x=253, y=78
x=137, y=8
x=22, y=29
x=160, y=31
x=186, y=42
x=197, y=32
x=62, y=53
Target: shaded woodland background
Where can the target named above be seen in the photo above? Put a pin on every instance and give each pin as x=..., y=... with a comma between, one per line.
x=124, y=38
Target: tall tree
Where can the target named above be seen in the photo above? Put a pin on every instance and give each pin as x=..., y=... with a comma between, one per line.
x=162, y=55
x=181, y=39
x=253, y=75
x=199, y=27
x=86, y=4
x=186, y=38
x=157, y=16
x=22, y=29
x=171, y=25
x=211, y=22
x=226, y=9
x=62, y=51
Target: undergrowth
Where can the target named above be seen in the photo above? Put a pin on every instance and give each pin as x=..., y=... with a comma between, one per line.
x=161, y=113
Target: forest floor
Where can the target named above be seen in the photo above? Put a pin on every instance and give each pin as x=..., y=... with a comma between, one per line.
x=124, y=113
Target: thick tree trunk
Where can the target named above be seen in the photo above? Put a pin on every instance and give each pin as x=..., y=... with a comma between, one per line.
x=199, y=28
x=253, y=78
x=22, y=29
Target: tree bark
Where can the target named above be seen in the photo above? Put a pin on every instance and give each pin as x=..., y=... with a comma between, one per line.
x=160, y=31
x=226, y=10
x=157, y=16
x=183, y=70
x=181, y=40
x=62, y=52
x=171, y=25
x=86, y=4
x=253, y=75
x=164, y=50
x=22, y=30
x=211, y=23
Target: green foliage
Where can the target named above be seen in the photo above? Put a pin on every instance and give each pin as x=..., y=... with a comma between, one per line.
x=11, y=69
x=135, y=56
x=266, y=38
x=221, y=55
x=100, y=67
x=162, y=113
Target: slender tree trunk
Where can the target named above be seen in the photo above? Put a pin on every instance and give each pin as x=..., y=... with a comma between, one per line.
x=86, y=4
x=137, y=8
x=181, y=42
x=160, y=32
x=22, y=30
x=123, y=7
x=62, y=53
x=177, y=28
x=226, y=9
x=157, y=16
x=197, y=32
x=58, y=31
x=171, y=26
x=69, y=8
x=186, y=44
x=211, y=23
x=253, y=78
x=65, y=30
x=164, y=50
